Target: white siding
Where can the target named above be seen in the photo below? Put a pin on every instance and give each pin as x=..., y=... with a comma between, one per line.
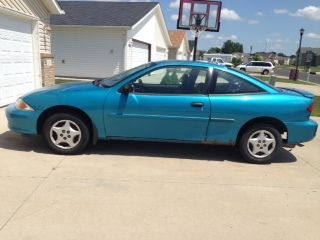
x=182, y=53
x=88, y=52
x=34, y=9
x=149, y=30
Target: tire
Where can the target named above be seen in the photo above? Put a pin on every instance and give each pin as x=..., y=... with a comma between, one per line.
x=265, y=72
x=242, y=69
x=66, y=133
x=260, y=143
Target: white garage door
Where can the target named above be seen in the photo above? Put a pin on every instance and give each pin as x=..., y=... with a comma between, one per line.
x=160, y=54
x=16, y=59
x=140, y=53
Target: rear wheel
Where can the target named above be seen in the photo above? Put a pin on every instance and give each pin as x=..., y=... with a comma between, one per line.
x=260, y=143
x=66, y=133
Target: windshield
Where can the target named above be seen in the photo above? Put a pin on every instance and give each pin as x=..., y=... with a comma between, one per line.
x=113, y=80
x=257, y=79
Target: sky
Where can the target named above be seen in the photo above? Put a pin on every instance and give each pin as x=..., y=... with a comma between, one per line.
x=271, y=25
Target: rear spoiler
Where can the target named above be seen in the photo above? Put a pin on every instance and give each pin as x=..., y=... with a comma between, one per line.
x=301, y=92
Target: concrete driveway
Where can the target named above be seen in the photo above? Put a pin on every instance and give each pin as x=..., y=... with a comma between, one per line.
x=125, y=190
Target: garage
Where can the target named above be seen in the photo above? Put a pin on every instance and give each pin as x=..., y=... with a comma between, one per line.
x=160, y=54
x=16, y=59
x=140, y=53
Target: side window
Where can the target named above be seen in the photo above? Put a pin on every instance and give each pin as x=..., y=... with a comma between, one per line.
x=173, y=80
x=249, y=64
x=228, y=83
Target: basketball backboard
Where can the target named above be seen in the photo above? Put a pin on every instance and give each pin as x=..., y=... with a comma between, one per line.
x=203, y=15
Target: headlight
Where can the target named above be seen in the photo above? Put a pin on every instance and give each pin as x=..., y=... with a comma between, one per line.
x=21, y=105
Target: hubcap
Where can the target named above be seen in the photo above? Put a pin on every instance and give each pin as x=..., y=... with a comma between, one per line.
x=261, y=144
x=65, y=134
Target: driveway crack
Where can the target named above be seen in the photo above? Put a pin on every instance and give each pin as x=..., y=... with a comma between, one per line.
x=30, y=195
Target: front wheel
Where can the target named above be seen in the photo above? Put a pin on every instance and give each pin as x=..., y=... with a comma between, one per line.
x=265, y=72
x=260, y=143
x=66, y=133
x=242, y=69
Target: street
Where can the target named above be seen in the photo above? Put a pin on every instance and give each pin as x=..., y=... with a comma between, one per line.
x=302, y=75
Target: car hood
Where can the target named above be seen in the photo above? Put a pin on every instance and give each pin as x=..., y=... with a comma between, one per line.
x=71, y=94
x=67, y=87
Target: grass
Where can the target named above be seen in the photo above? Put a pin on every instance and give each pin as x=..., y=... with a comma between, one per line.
x=62, y=81
x=316, y=110
x=284, y=80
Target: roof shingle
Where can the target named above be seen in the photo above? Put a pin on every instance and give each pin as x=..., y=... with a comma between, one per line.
x=176, y=38
x=85, y=13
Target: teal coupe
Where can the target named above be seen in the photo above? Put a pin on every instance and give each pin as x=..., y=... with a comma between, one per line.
x=176, y=101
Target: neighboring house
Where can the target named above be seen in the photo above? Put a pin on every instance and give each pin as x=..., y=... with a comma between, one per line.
x=180, y=46
x=100, y=39
x=310, y=56
x=26, y=62
x=191, y=49
x=283, y=60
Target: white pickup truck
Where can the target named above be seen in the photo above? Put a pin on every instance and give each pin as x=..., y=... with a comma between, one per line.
x=219, y=61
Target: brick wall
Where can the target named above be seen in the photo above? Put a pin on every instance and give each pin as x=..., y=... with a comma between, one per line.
x=48, y=69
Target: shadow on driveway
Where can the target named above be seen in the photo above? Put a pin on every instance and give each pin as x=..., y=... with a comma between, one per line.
x=12, y=141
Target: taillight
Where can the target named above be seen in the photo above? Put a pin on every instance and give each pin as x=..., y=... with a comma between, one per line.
x=310, y=108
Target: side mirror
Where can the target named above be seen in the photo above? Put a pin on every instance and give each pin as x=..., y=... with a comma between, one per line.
x=128, y=88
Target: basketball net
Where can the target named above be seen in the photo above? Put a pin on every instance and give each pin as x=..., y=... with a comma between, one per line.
x=197, y=28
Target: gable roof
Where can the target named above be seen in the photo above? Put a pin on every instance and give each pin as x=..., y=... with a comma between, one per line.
x=114, y=14
x=177, y=37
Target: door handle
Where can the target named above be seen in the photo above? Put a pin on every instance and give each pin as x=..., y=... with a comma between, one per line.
x=197, y=104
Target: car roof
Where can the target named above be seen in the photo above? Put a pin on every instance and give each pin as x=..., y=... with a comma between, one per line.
x=189, y=63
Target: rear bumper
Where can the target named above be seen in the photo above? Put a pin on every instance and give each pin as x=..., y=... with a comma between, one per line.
x=299, y=132
x=24, y=122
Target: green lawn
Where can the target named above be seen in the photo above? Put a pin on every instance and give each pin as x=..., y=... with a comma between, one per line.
x=61, y=81
x=284, y=80
x=316, y=111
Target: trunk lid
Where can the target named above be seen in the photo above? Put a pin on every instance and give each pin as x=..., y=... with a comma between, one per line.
x=294, y=91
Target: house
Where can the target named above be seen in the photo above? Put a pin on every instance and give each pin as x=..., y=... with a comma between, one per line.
x=26, y=62
x=191, y=49
x=309, y=56
x=180, y=45
x=100, y=39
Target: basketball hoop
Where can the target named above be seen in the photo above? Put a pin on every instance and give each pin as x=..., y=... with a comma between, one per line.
x=199, y=16
x=198, y=23
x=197, y=30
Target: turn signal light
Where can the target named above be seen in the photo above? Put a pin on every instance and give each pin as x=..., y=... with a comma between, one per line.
x=21, y=105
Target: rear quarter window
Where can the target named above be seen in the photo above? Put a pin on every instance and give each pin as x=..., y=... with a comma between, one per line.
x=228, y=83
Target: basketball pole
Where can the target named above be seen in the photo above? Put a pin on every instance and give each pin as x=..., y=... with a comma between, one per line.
x=195, y=46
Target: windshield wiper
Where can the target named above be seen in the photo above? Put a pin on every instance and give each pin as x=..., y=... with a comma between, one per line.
x=98, y=82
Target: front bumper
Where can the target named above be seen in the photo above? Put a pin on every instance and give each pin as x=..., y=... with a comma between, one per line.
x=299, y=132
x=24, y=122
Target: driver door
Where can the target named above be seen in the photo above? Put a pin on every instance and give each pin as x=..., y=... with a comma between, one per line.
x=169, y=103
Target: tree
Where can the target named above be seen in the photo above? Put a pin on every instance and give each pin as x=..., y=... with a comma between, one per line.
x=232, y=47
x=236, y=61
x=282, y=55
x=214, y=50
x=257, y=57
